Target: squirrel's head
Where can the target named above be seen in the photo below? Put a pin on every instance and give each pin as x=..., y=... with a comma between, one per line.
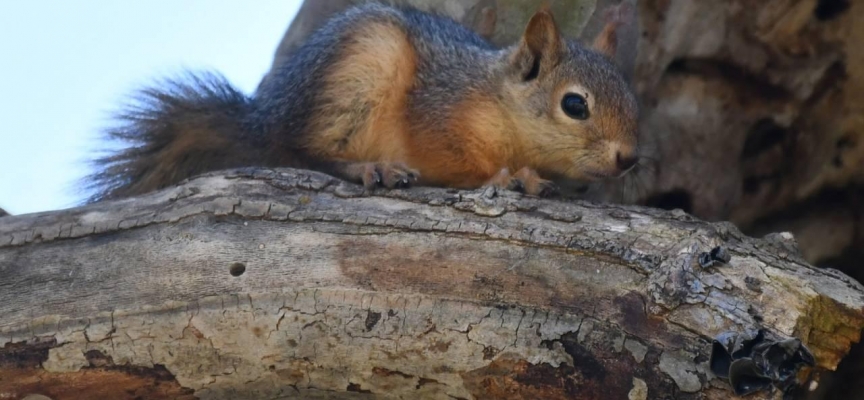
x=575, y=112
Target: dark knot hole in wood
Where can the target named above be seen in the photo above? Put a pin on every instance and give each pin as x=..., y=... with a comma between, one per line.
x=237, y=269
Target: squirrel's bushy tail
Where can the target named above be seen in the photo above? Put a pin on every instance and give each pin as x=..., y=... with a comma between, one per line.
x=173, y=131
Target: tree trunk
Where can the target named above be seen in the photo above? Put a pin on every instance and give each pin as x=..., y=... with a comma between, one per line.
x=291, y=284
x=755, y=109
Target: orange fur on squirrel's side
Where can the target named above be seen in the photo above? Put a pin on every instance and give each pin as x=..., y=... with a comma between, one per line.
x=377, y=69
x=467, y=150
x=365, y=93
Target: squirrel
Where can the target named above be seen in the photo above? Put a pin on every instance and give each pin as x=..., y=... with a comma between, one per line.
x=394, y=97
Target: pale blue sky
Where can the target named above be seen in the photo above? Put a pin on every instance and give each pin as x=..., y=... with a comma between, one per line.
x=67, y=64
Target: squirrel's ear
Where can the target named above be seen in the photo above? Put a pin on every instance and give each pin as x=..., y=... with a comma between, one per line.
x=606, y=41
x=540, y=47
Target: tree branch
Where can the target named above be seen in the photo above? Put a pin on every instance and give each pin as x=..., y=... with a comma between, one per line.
x=268, y=283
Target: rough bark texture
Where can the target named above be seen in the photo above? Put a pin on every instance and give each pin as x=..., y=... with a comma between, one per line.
x=291, y=284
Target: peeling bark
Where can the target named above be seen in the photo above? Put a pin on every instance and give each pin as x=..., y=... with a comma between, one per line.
x=292, y=284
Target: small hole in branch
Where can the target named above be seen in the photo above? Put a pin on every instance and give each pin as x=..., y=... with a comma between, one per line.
x=237, y=269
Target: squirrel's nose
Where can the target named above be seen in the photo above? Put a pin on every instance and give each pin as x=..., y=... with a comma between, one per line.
x=625, y=161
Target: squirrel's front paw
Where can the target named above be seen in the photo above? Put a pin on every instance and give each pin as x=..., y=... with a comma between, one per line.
x=389, y=175
x=526, y=181
x=534, y=185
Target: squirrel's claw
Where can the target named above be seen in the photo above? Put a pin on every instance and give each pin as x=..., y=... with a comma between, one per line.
x=534, y=184
x=369, y=175
x=525, y=181
x=547, y=189
x=389, y=175
x=397, y=175
x=516, y=185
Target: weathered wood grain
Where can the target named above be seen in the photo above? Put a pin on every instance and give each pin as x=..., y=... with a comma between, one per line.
x=291, y=284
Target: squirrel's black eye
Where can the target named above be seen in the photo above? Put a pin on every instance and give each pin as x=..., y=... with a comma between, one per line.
x=575, y=106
